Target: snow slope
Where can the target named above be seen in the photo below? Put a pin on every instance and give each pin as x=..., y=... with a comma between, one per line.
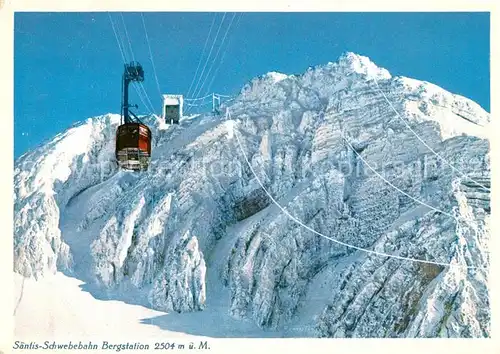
x=197, y=238
x=42, y=315
x=74, y=313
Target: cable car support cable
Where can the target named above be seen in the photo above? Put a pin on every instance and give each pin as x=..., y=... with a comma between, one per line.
x=151, y=55
x=423, y=142
x=222, y=57
x=209, y=54
x=201, y=56
x=293, y=218
x=216, y=56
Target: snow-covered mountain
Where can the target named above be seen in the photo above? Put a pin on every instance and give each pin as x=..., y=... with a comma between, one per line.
x=344, y=148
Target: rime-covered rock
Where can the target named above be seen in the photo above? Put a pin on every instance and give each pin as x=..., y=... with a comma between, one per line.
x=181, y=286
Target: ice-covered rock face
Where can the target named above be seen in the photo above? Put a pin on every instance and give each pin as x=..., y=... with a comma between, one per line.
x=181, y=287
x=199, y=216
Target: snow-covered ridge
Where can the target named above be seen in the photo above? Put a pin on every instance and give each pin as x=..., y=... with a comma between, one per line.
x=197, y=229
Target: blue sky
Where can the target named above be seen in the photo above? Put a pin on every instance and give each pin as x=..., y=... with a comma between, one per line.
x=67, y=66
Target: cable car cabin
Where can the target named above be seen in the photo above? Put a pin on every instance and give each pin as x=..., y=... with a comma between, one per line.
x=133, y=146
x=172, y=108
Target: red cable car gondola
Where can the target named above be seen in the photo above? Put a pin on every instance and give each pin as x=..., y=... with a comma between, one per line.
x=133, y=138
x=133, y=146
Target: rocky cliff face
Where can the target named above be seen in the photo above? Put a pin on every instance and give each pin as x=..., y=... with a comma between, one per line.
x=320, y=143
